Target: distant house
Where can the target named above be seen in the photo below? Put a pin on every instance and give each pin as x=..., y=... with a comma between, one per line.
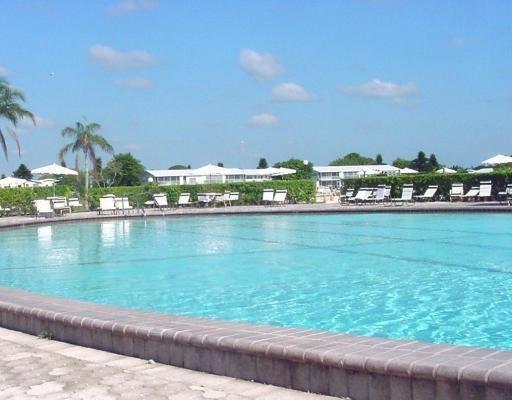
x=330, y=176
x=213, y=174
x=12, y=182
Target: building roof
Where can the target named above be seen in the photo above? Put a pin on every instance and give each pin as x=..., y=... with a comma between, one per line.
x=211, y=170
x=356, y=168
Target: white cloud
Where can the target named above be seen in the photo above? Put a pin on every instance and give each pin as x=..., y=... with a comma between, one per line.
x=264, y=119
x=397, y=93
x=291, y=92
x=458, y=41
x=3, y=71
x=110, y=58
x=132, y=146
x=135, y=83
x=260, y=65
x=130, y=6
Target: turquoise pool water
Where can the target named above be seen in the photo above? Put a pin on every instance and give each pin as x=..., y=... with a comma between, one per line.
x=431, y=277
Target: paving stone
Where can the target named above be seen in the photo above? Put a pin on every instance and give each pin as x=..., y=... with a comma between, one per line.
x=31, y=369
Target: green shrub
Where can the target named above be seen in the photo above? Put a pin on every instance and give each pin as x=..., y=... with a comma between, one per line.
x=21, y=198
x=499, y=180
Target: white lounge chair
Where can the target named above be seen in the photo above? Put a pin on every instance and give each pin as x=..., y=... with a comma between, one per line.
x=485, y=192
x=205, y=199
x=122, y=204
x=43, y=208
x=160, y=201
x=234, y=197
x=387, y=193
x=280, y=196
x=4, y=211
x=380, y=194
x=268, y=196
x=184, y=200
x=472, y=193
x=224, y=199
x=107, y=204
x=457, y=191
x=363, y=194
x=429, y=193
x=504, y=195
x=59, y=205
x=345, y=198
x=407, y=192
x=74, y=202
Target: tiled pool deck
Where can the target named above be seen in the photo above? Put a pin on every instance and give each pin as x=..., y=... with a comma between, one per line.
x=360, y=367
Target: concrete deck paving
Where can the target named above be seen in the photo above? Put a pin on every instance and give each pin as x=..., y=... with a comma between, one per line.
x=34, y=368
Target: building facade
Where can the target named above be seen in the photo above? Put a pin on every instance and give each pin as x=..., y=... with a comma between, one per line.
x=213, y=174
x=331, y=176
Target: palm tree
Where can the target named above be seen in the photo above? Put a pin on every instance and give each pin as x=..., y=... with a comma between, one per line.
x=85, y=139
x=12, y=111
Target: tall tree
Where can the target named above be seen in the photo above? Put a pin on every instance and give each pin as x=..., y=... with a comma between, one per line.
x=262, y=164
x=432, y=162
x=304, y=169
x=124, y=170
x=401, y=163
x=420, y=163
x=378, y=159
x=12, y=110
x=22, y=172
x=85, y=140
x=353, y=159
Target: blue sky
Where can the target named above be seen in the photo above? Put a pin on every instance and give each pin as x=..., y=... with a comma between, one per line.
x=233, y=81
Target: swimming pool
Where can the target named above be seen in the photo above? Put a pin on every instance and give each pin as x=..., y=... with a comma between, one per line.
x=444, y=278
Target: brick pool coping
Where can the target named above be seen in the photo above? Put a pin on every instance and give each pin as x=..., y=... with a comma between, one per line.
x=363, y=368
x=328, y=363
x=314, y=208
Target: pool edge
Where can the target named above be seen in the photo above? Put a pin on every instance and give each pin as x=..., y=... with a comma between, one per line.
x=333, y=364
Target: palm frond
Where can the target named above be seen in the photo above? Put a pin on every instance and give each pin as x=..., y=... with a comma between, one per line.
x=65, y=150
x=15, y=138
x=102, y=143
x=4, y=145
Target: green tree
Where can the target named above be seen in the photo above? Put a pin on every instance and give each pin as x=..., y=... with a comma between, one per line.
x=378, y=159
x=432, y=162
x=85, y=140
x=124, y=170
x=220, y=164
x=303, y=168
x=353, y=159
x=12, y=110
x=22, y=172
x=420, y=163
x=262, y=164
x=401, y=163
x=179, y=166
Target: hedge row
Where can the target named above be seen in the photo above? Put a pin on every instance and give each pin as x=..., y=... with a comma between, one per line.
x=499, y=180
x=21, y=198
x=299, y=191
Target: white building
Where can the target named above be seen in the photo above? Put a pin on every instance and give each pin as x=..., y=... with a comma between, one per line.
x=12, y=182
x=330, y=176
x=213, y=174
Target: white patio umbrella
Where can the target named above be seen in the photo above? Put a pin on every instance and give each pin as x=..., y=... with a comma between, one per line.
x=54, y=169
x=408, y=171
x=497, y=160
x=446, y=171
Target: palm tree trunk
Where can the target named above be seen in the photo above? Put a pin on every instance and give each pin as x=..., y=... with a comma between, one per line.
x=86, y=168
